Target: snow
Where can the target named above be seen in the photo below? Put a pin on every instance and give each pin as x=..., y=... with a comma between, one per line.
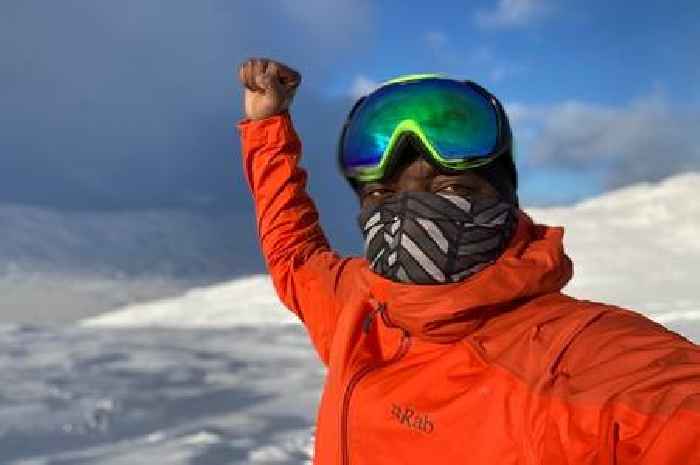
x=94, y=396
x=224, y=375
x=637, y=247
x=248, y=301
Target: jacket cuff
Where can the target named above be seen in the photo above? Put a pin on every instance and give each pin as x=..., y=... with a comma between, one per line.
x=267, y=130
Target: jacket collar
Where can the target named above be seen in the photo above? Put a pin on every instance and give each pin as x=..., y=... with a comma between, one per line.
x=533, y=264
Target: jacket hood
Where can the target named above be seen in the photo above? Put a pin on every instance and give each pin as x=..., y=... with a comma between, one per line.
x=533, y=264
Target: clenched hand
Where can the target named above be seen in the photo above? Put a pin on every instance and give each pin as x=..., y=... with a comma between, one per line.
x=269, y=87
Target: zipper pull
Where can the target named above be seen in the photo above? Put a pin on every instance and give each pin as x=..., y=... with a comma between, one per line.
x=369, y=318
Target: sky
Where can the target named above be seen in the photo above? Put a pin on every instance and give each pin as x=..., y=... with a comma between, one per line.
x=121, y=108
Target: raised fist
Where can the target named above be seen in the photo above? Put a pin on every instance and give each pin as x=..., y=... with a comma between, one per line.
x=269, y=87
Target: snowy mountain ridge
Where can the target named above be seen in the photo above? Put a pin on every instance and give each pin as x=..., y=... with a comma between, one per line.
x=637, y=247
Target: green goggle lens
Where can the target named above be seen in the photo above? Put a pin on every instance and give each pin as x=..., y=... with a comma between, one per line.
x=457, y=124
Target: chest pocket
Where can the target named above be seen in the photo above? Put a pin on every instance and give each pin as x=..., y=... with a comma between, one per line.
x=436, y=403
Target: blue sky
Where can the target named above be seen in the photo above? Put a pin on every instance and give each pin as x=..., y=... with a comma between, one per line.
x=131, y=105
x=545, y=54
x=544, y=51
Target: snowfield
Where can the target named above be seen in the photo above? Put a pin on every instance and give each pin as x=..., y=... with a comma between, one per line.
x=81, y=396
x=637, y=247
x=223, y=374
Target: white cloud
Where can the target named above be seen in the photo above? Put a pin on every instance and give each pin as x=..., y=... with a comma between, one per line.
x=646, y=140
x=521, y=113
x=362, y=85
x=512, y=13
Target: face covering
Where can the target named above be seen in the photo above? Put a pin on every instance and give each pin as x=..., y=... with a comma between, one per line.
x=426, y=238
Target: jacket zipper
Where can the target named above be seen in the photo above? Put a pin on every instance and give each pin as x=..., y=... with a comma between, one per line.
x=400, y=352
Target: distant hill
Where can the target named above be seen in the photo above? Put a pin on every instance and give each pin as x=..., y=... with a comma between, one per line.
x=637, y=247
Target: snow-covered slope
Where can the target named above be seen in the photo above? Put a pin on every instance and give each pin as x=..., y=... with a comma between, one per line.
x=638, y=247
x=87, y=263
x=248, y=301
x=102, y=396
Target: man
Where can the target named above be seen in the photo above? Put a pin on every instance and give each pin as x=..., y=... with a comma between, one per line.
x=451, y=342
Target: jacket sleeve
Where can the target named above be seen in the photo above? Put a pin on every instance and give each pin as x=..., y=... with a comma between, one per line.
x=645, y=379
x=306, y=273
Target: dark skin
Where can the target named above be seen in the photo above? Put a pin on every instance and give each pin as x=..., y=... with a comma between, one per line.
x=415, y=174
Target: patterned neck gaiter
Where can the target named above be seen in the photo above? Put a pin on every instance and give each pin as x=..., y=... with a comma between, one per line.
x=426, y=238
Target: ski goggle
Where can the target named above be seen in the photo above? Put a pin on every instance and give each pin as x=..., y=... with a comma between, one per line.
x=458, y=124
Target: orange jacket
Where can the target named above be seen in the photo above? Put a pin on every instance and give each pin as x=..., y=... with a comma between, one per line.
x=501, y=368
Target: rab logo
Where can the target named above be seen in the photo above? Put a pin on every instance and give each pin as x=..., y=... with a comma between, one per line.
x=410, y=418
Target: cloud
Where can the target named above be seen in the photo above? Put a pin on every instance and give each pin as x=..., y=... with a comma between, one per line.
x=509, y=13
x=521, y=113
x=120, y=155
x=362, y=85
x=182, y=240
x=132, y=105
x=175, y=243
x=645, y=140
